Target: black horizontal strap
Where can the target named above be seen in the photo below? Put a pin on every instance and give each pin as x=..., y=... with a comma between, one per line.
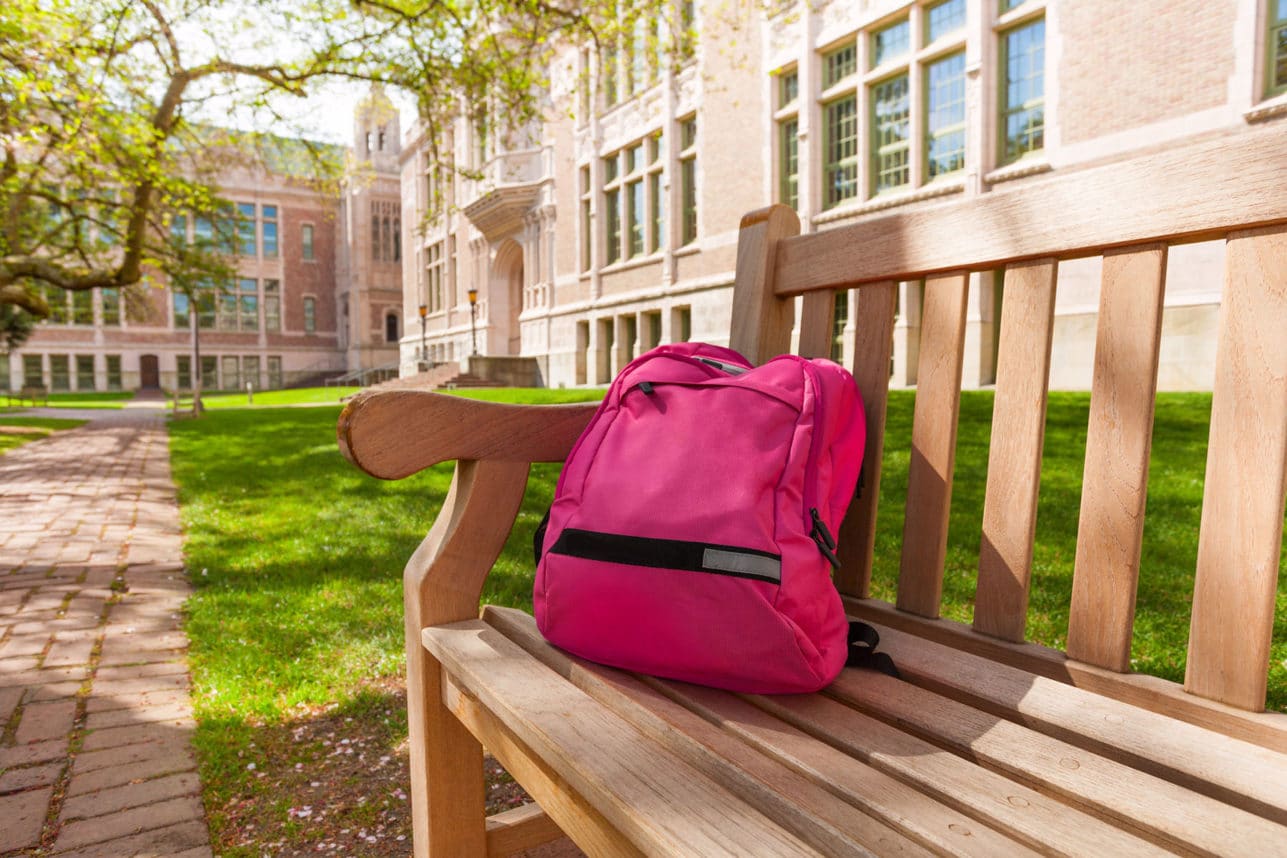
x=670, y=554
x=863, y=640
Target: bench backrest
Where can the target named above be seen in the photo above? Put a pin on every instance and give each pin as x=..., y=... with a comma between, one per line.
x=1230, y=188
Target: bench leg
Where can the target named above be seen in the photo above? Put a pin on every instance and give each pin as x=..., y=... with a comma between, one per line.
x=442, y=584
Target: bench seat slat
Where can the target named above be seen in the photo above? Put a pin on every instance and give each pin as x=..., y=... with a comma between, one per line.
x=1014, y=458
x=1167, y=814
x=729, y=739
x=1119, y=436
x=1232, y=771
x=659, y=802
x=929, y=478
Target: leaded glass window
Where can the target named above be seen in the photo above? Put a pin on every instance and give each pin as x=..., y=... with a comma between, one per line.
x=889, y=125
x=945, y=115
x=840, y=168
x=1023, y=99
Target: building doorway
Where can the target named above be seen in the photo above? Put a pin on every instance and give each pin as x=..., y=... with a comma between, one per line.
x=149, y=372
x=506, y=298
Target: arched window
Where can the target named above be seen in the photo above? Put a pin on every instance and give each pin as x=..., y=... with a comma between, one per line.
x=397, y=239
x=386, y=244
x=391, y=328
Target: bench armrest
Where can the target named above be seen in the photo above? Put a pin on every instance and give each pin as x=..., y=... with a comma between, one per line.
x=395, y=433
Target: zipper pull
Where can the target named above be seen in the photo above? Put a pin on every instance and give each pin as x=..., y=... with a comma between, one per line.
x=730, y=368
x=646, y=387
x=822, y=537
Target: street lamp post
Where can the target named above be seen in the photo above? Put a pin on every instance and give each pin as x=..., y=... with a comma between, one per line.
x=473, y=319
x=424, y=311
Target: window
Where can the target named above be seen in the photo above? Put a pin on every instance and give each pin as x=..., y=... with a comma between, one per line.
x=113, y=372
x=838, y=65
x=231, y=373
x=306, y=238
x=945, y=116
x=789, y=162
x=634, y=183
x=391, y=328
x=250, y=370
x=839, y=318
x=32, y=372
x=688, y=179
x=82, y=307
x=182, y=310
x=179, y=228
x=1277, y=52
x=434, y=265
x=380, y=139
x=889, y=126
x=1023, y=97
x=310, y=315
x=386, y=242
x=681, y=324
x=608, y=74
x=788, y=88
x=375, y=238
x=274, y=371
x=945, y=18
x=209, y=377
x=206, y=307
x=840, y=151
x=612, y=207
x=272, y=305
x=183, y=372
x=203, y=230
x=60, y=372
x=84, y=372
x=397, y=239
x=891, y=43
x=246, y=244
x=248, y=304
x=111, y=299
x=57, y=299
x=656, y=202
x=587, y=233
x=269, y=231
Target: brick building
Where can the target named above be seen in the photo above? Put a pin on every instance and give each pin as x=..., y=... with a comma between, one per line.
x=611, y=226
x=308, y=301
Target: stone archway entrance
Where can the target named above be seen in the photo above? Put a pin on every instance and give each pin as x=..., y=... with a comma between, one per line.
x=507, y=296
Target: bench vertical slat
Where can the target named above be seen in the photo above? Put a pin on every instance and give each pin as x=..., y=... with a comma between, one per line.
x=1014, y=461
x=1119, y=437
x=873, y=347
x=442, y=583
x=1240, y=540
x=761, y=327
x=816, y=313
x=929, y=480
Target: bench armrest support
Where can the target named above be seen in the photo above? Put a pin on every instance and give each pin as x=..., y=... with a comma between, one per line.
x=393, y=434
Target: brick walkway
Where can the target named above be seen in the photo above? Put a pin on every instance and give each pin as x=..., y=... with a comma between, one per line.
x=95, y=718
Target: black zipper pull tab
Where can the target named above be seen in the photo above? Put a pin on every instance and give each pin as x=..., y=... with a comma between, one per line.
x=646, y=387
x=825, y=541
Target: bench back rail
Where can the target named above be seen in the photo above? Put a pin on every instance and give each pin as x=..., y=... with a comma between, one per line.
x=1128, y=214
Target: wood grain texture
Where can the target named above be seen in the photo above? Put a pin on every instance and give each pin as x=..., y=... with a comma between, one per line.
x=646, y=792
x=1014, y=459
x=1166, y=814
x=1039, y=822
x=817, y=311
x=1240, y=542
x=442, y=583
x=1101, y=620
x=569, y=810
x=933, y=456
x=761, y=327
x=873, y=346
x=1266, y=729
x=518, y=829
x=660, y=710
x=393, y=434
x=1237, y=773
x=1184, y=192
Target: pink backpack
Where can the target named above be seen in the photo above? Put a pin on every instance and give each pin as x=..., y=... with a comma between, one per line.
x=691, y=535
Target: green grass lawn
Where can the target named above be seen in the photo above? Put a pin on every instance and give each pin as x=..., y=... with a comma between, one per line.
x=297, y=561
x=89, y=399
x=33, y=429
x=219, y=400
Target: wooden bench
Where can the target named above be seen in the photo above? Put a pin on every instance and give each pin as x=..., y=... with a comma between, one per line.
x=987, y=745
x=30, y=393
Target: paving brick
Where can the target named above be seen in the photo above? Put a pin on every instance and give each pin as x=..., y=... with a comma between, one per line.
x=40, y=752
x=115, y=737
x=172, y=841
x=147, y=685
x=172, y=714
x=88, y=761
x=10, y=667
x=31, y=776
x=56, y=690
x=24, y=645
x=9, y=698
x=69, y=653
x=24, y=817
x=143, y=700
x=126, y=822
x=130, y=795
x=165, y=764
x=43, y=721
x=139, y=671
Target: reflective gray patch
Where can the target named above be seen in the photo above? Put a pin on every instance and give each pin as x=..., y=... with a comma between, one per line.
x=752, y=565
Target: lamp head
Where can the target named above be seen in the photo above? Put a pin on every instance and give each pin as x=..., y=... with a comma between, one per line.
x=473, y=296
x=424, y=310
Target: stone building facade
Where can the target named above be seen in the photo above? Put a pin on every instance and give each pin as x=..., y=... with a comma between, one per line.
x=317, y=292
x=611, y=226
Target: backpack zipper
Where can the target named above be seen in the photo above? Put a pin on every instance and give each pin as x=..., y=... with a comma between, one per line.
x=822, y=537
